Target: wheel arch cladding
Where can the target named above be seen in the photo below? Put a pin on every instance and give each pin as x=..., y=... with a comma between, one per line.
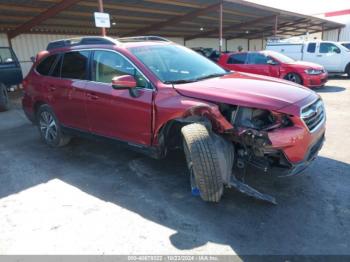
x=210, y=116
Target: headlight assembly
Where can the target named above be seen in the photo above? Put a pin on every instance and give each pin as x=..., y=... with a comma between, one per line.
x=313, y=71
x=260, y=119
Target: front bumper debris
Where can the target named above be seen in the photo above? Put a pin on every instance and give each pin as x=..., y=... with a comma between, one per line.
x=249, y=191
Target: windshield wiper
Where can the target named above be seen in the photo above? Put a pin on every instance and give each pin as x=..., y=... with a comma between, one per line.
x=210, y=76
x=184, y=81
x=181, y=81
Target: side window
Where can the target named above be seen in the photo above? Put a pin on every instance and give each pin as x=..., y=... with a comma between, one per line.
x=329, y=48
x=56, y=72
x=237, y=58
x=107, y=65
x=311, y=48
x=6, y=56
x=45, y=66
x=75, y=65
x=257, y=59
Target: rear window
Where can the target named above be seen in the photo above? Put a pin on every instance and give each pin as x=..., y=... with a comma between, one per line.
x=311, y=48
x=75, y=65
x=6, y=56
x=45, y=66
x=237, y=58
x=56, y=71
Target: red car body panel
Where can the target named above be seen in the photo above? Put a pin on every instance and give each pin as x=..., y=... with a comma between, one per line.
x=99, y=109
x=279, y=70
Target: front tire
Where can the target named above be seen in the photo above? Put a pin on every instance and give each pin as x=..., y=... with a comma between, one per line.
x=202, y=161
x=294, y=78
x=4, y=99
x=49, y=128
x=347, y=71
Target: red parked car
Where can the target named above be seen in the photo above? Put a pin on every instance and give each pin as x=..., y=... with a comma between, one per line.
x=274, y=64
x=156, y=96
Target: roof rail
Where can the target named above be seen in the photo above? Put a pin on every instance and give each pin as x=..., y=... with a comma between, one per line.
x=143, y=38
x=87, y=40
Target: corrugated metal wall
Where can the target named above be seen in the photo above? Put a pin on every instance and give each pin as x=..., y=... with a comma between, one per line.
x=344, y=33
x=3, y=40
x=28, y=45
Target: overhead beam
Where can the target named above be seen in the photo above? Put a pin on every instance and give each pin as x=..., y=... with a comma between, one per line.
x=63, y=5
x=267, y=30
x=233, y=26
x=176, y=19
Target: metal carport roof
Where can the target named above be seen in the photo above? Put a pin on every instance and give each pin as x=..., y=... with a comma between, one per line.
x=171, y=18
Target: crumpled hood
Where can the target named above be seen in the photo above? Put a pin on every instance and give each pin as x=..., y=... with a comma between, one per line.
x=246, y=90
x=307, y=65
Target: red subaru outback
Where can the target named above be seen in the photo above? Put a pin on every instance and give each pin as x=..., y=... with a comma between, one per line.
x=274, y=64
x=156, y=96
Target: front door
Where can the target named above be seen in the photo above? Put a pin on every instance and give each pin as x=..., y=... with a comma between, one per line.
x=329, y=55
x=116, y=113
x=257, y=63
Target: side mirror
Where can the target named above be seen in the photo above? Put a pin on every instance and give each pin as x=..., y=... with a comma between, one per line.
x=124, y=82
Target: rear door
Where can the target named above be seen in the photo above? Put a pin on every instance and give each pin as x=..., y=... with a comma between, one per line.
x=67, y=89
x=10, y=70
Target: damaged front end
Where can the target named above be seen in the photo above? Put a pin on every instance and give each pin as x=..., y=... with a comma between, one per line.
x=276, y=143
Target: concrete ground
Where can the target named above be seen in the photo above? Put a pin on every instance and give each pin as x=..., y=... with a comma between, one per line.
x=96, y=198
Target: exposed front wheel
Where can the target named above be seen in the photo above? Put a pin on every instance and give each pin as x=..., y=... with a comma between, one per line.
x=49, y=128
x=348, y=71
x=4, y=99
x=203, y=163
x=293, y=78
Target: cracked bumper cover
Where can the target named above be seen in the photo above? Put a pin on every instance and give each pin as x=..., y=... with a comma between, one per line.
x=296, y=147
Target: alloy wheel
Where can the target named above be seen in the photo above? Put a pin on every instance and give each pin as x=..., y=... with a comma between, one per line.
x=48, y=126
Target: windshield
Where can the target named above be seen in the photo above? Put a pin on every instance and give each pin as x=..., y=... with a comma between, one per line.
x=282, y=58
x=176, y=64
x=6, y=55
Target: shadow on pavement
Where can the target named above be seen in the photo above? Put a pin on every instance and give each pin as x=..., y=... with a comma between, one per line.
x=329, y=89
x=313, y=209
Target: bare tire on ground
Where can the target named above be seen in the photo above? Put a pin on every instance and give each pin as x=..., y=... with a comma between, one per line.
x=4, y=99
x=49, y=128
x=293, y=78
x=202, y=161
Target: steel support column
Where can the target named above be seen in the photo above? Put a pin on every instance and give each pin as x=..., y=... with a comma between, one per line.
x=276, y=26
x=220, y=27
x=100, y=7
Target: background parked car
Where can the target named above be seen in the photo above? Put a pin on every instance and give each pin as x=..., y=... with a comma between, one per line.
x=10, y=74
x=332, y=55
x=210, y=53
x=274, y=64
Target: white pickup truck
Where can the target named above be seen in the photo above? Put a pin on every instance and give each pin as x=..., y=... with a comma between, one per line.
x=333, y=56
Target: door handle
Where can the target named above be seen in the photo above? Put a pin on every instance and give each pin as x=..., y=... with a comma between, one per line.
x=92, y=96
x=52, y=88
x=319, y=55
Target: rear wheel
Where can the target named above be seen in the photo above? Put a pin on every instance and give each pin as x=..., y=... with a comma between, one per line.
x=4, y=99
x=49, y=128
x=202, y=161
x=294, y=78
